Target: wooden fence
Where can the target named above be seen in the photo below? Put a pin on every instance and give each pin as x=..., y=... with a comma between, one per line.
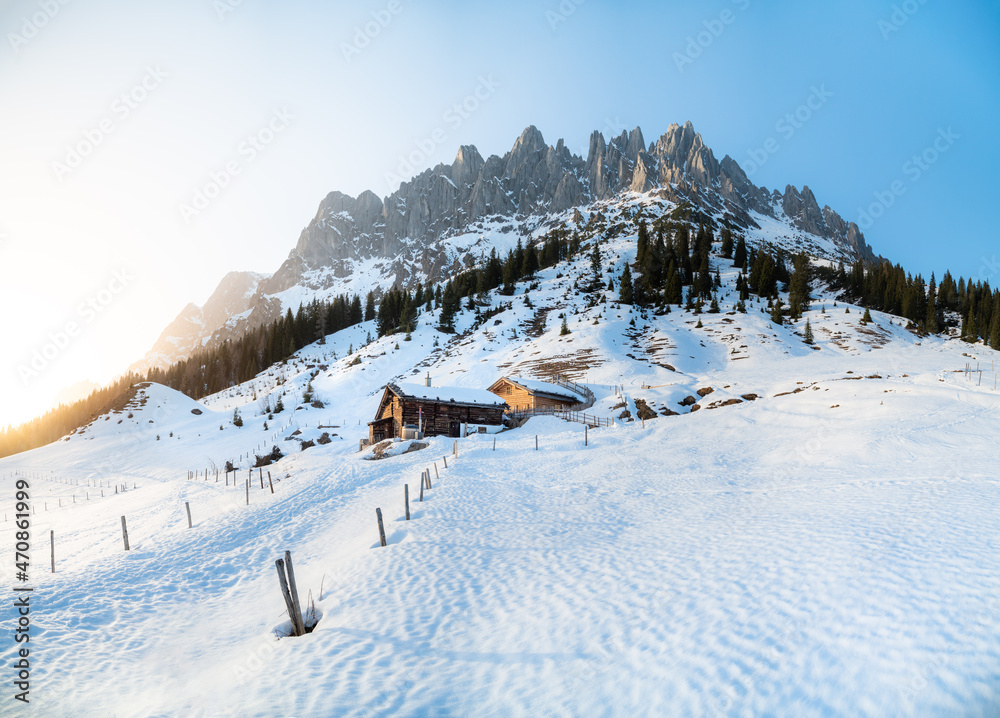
x=577, y=416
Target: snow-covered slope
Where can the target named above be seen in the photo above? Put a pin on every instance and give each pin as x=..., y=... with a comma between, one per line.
x=819, y=537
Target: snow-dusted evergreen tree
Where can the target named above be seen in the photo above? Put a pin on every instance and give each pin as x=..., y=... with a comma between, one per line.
x=625, y=295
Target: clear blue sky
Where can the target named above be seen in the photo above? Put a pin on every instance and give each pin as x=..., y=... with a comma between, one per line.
x=893, y=79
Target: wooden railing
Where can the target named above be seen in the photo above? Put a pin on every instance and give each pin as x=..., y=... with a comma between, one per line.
x=579, y=389
x=576, y=416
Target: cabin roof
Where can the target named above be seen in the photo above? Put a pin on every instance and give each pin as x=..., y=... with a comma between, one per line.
x=447, y=395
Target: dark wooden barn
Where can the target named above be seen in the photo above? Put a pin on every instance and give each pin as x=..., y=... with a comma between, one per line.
x=439, y=411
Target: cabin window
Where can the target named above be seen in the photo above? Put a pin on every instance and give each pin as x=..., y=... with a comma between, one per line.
x=508, y=390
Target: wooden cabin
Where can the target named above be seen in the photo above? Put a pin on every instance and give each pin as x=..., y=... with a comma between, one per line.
x=438, y=411
x=531, y=395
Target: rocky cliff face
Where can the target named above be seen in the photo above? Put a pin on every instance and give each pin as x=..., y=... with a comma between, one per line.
x=533, y=179
x=237, y=293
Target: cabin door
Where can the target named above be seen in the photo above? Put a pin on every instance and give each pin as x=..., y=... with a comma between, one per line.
x=454, y=430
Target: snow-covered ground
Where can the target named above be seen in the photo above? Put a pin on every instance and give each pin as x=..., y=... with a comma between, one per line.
x=828, y=547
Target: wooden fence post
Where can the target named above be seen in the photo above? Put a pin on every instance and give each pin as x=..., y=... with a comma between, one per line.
x=261, y=476
x=125, y=533
x=287, y=595
x=381, y=528
x=421, y=488
x=294, y=591
x=585, y=439
x=270, y=482
x=455, y=450
x=52, y=541
x=187, y=507
x=445, y=459
x=436, y=474
x=406, y=500
x=536, y=442
x=248, y=491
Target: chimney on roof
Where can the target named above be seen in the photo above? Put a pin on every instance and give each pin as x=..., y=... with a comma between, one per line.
x=427, y=379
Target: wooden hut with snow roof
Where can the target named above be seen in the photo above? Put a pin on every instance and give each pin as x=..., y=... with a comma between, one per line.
x=529, y=396
x=436, y=411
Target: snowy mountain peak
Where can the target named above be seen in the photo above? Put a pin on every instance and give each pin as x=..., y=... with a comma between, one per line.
x=439, y=222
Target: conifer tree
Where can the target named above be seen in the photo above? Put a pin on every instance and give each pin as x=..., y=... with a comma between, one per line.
x=867, y=318
x=493, y=274
x=320, y=319
x=798, y=289
x=684, y=256
x=625, y=295
x=355, y=315
x=595, y=266
x=673, y=293
x=740, y=257
x=703, y=280
x=930, y=315
x=969, y=331
x=529, y=264
x=564, y=330
x=511, y=272
x=450, y=303
x=995, y=324
x=642, y=244
x=808, y=333
x=727, y=243
x=776, y=313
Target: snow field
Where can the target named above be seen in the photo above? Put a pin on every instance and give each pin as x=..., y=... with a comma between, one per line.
x=744, y=561
x=832, y=551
